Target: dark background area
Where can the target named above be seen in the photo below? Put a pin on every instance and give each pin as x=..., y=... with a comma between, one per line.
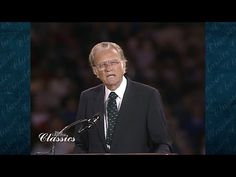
x=167, y=56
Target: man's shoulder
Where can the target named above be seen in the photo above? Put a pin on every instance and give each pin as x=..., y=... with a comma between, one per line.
x=141, y=87
x=92, y=90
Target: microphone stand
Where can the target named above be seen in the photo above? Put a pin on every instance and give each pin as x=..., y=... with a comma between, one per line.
x=91, y=122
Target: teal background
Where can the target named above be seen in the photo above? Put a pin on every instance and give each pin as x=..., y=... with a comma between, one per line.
x=15, y=88
x=220, y=88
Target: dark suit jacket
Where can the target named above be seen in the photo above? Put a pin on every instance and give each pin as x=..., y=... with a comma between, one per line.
x=140, y=126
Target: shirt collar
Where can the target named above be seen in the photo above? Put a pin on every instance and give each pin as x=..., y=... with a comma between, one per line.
x=119, y=91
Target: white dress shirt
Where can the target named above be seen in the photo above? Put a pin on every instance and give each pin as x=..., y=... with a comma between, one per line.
x=120, y=92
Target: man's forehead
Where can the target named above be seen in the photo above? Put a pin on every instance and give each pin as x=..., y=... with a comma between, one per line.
x=101, y=50
x=106, y=54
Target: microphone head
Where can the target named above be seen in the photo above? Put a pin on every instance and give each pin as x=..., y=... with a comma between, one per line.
x=94, y=118
x=96, y=115
x=90, y=122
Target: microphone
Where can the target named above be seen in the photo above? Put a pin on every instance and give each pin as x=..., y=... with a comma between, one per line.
x=94, y=119
x=91, y=122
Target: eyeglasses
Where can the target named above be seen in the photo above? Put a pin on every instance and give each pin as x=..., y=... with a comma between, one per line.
x=102, y=66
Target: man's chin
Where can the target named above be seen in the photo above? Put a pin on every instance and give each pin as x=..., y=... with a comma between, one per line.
x=111, y=80
x=111, y=84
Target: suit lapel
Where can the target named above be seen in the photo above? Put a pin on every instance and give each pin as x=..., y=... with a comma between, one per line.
x=123, y=112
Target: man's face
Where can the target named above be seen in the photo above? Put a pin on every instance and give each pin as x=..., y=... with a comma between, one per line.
x=109, y=67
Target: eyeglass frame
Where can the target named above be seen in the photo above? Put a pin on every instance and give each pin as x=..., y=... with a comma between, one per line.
x=102, y=66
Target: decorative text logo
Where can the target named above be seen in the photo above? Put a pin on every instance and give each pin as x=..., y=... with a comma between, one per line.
x=56, y=137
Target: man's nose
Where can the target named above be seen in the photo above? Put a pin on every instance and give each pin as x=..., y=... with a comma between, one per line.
x=108, y=67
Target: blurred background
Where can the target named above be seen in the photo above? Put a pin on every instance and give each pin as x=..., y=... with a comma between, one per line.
x=167, y=56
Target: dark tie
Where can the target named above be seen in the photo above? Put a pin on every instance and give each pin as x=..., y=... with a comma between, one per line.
x=112, y=113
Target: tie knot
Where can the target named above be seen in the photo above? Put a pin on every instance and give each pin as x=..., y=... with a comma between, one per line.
x=113, y=95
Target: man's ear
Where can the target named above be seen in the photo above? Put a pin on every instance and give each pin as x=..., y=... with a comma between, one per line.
x=124, y=66
x=95, y=72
